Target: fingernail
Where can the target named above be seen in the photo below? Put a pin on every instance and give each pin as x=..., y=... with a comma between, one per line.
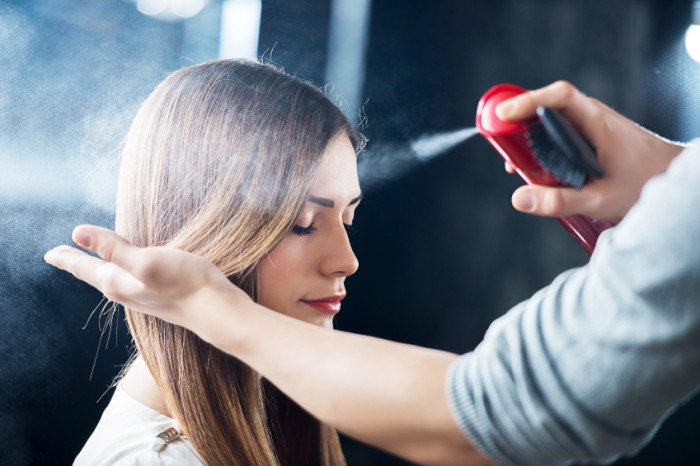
x=83, y=238
x=505, y=109
x=524, y=201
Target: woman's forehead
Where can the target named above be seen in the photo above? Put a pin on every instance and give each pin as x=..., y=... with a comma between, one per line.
x=336, y=177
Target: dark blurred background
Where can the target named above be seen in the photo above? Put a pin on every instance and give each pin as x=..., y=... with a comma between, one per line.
x=442, y=253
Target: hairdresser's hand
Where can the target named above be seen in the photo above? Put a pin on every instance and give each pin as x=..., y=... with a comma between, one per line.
x=628, y=154
x=171, y=284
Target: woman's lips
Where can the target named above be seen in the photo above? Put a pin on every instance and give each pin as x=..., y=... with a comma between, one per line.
x=329, y=305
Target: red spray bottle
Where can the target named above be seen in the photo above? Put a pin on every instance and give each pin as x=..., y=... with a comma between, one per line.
x=520, y=145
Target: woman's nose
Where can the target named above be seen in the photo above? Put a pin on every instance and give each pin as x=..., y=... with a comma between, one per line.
x=339, y=258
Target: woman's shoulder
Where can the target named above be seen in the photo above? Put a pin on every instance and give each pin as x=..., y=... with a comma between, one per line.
x=130, y=434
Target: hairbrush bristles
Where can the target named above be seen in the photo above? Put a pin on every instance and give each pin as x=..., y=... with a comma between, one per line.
x=550, y=156
x=561, y=150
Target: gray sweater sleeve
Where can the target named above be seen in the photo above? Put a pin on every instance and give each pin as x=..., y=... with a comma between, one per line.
x=587, y=369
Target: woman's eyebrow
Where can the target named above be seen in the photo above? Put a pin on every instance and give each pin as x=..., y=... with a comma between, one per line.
x=329, y=202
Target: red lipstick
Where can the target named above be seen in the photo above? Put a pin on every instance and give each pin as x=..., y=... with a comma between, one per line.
x=329, y=305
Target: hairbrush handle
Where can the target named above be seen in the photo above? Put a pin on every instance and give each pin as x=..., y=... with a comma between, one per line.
x=513, y=143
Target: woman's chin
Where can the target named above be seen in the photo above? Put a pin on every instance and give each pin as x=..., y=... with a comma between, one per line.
x=325, y=322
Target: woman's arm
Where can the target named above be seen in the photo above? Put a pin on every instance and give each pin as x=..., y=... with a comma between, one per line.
x=387, y=394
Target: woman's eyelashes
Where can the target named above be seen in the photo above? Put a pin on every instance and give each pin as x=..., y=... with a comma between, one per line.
x=305, y=231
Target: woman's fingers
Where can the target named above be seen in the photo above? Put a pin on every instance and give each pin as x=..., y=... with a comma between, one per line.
x=114, y=282
x=108, y=245
x=158, y=281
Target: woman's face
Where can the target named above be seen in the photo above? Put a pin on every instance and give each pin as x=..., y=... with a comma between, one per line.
x=304, y=276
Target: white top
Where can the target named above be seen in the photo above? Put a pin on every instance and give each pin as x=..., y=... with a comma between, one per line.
x=127, y=435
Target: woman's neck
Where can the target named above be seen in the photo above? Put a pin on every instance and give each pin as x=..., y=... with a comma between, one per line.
x=141, y=386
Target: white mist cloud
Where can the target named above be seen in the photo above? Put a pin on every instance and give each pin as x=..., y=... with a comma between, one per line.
x=431, y=145
x=385, y=162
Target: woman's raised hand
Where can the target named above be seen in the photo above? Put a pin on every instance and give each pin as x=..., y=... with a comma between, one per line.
x=168, y=283
x=628, y=154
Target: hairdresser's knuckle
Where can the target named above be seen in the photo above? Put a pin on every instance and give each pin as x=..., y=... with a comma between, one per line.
x=598, y=126
x=564, y=90
x=599, y=204
x=597, y=115
x=597, y=103
x=552, y=202
x=597, y=108
x=526, y=100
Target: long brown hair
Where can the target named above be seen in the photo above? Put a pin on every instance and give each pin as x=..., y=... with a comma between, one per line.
x=219, y=161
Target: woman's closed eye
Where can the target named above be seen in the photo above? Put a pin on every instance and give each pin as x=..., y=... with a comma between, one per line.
x=305, y=231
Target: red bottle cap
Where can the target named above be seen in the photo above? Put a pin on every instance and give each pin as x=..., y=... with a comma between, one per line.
x=486, y=120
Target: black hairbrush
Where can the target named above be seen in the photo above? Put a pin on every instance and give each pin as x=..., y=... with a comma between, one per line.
x=561, y=150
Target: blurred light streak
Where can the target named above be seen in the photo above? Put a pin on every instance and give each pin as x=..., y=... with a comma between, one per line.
x=170, y=9
x=186, y=8
x=692, y=42
x=347, y=50
x=152, y=7
x=240, y=28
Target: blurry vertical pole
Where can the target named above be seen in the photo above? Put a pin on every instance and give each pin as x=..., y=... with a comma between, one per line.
x=347, y=51
x=240, y=28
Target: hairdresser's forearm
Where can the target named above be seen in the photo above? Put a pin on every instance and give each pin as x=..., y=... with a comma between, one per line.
x=383, y=393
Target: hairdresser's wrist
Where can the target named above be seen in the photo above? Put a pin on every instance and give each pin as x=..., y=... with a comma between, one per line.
x=672, y=149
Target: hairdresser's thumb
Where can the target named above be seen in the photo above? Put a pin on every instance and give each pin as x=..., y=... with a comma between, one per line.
x=542, y=200
x=523, y=199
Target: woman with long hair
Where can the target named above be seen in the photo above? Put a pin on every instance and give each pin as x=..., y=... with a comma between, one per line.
x=556, y=379
x=255, y=171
